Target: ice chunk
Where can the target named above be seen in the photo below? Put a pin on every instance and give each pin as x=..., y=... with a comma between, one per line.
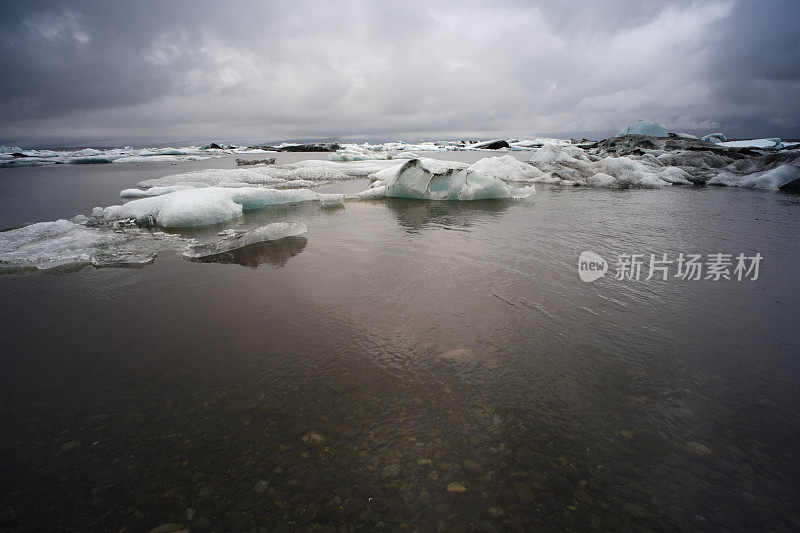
x=570, y=165
x=158, y=191
x=233, y=240
x=495, y=144
x=157, y=158
x=629, y=173
x=774, y=143
x=205, y=206
x=92, y=160
x=357, y=153
x=431, y=179
x=783, y=176
x=674, y=175
x=219, y=177
x=506, y=168
x=310, y=171
x=330, y=201
x=715, y=138
x=644, y=127
x=686, y=136
x=47, y=245
x=601, y=180
x=554, y=154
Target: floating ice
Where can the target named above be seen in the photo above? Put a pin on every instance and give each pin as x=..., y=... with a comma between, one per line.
x=430, y=179
x=275, y=176
x=220, y=177
x=158, y=191
x=357, y=153
x=781, y=177
x=206, y=206
x=93, y=160
x=774, y=143
x=715, y=138
x=157, y=158
x=233, y=239
x=570, y=165
x=643, y=127
x=506, y=168
x=47, y=245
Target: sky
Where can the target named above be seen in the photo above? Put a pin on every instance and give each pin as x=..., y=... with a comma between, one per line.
x=111, y=73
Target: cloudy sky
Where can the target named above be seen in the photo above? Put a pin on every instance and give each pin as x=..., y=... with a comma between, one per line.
x=108, y=72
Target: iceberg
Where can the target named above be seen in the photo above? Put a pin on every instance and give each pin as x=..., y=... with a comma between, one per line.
x=506, y=168
x=643, y=127
x=158, y=191
x=93, y=160
x=62, y=243
x=357, y=153
x=430, y=179
x=715, y=138
x=773, y=143
x=495, y=144
x=570, y=165
x=310, y=172
x=781, y=177
x=157, y=158
x=206, y=206
x=233, y=239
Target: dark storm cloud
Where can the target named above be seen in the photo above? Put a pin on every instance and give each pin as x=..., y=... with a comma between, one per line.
x=122, y=71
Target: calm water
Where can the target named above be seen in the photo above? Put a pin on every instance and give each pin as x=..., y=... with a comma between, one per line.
x=181, y=392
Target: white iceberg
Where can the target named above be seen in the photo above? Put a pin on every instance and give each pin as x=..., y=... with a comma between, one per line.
x=506, y=168
x=783, y=176
x=430, y=179
x=774, y=143
x=158, y=191
x=569, y=165
x=715, y=138
x=644, y=127
x=158, y=158
x=206, y=206
x=233, y=239
x=310, y=172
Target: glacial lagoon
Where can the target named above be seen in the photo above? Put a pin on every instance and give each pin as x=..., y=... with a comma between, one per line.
x=406, y=365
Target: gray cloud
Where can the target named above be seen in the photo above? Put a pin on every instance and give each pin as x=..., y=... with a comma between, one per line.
x=114, y=72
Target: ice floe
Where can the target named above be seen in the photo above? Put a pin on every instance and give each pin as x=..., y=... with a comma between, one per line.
x=235, y=239
x=506, y=168
x=62, y=243
x=310, y=172
x=207, y=205
x=773, y=143
x=570, y=165
x=158, y=191
x=780, y=177
x=431, y=179
x=715, y=138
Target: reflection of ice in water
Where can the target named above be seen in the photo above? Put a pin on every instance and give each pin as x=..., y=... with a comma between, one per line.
x=416, y=214
x=275, y=253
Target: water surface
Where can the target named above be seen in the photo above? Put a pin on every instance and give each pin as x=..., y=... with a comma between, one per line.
x=181, y=392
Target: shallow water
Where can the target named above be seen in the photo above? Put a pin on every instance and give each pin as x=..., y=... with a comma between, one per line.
x=128, y=396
